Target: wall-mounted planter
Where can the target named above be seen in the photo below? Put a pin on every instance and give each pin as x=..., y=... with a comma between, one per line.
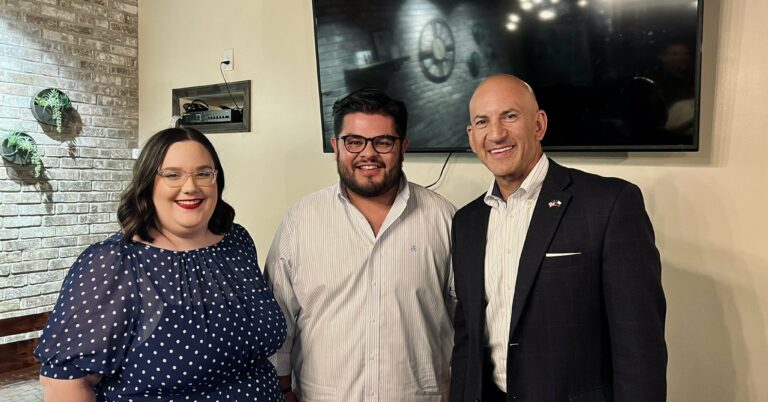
x=51, y=107
x=21, y=149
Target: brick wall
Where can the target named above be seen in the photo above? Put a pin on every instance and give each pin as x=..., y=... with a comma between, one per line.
x=437, y=110
x=89, y=50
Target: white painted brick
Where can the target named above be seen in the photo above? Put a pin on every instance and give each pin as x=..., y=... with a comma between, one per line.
x=9, y=234
x=29, y=266
x=88, y=49
x=50, y=287
x=43, y=277
x=9, y=305
x=58, y=197
x=59, y=241
x=93, y=197
x=13, y=281
x=36, y=209
x=7, y=186
x=9, y=210
x=40, y=254
x=71, y=251
x=94, y=218
x=38, y=301
x=18, y=245
x=27, y=233
x=88, y=240
x=104, y=207
x=10, y=256
x=72, y=208
x=21, y=198
x=105, y=228
x=61, y=262
x=59, y=220
x=21, y=221
x=71, y=230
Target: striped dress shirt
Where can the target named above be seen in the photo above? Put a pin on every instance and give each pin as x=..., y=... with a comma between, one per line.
x=507, y=226
x=369, y=317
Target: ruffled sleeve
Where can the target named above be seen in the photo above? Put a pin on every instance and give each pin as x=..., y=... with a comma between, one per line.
x=93, y=323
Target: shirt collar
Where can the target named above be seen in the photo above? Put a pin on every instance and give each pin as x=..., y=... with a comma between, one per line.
x=528, y=189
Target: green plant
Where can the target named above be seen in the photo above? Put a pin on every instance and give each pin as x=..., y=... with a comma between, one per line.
x=55, y=101
x=26, y=145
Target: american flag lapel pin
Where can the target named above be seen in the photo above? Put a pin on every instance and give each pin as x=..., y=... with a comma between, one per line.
x=555, y=204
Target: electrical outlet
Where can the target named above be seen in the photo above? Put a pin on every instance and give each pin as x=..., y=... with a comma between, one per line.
x=229, y=55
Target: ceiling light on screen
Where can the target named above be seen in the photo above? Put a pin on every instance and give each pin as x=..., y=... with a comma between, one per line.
x=511, y=26
x=514, y=18
x=582, y=3
x=547, y=15
x=526, y=6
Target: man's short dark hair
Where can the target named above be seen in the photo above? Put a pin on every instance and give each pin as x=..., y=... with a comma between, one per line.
x=370, y=101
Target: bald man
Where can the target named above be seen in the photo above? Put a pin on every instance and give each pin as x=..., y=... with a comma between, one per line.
x=557, y=275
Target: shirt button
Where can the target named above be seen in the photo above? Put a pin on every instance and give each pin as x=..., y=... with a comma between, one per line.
x=509, y=251
x=373, y=283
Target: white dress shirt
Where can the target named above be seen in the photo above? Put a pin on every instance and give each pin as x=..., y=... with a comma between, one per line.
x=507, y=226
x=369, y=317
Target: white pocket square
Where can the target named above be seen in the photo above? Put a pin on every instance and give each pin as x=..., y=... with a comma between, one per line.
x=561, y=254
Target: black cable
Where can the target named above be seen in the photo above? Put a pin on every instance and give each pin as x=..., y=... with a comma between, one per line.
x=441, y=170
x=221, y=68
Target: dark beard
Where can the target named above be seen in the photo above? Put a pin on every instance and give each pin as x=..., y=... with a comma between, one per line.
x=370, y=189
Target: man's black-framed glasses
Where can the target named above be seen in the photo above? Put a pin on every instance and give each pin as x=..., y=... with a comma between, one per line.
x=382, y=144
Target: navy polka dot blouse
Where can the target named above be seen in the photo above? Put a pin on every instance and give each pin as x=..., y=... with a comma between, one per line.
x=162, y=325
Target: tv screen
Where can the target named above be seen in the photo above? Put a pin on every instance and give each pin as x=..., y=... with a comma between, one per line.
x=612, y=75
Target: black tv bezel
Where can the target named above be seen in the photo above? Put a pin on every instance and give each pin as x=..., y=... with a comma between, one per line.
x=694, y=147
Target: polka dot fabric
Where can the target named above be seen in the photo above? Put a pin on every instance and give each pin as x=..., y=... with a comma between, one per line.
x=161, y=325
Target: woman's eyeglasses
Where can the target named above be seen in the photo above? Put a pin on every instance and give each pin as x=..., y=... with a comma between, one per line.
x=177, y=178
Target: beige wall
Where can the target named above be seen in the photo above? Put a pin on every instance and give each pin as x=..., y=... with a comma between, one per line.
x=708, y=208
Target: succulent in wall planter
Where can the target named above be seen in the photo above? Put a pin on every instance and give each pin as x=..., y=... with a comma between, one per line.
x=21, y=149
x=50, y=106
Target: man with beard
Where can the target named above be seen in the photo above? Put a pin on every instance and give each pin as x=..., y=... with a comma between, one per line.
x=362, y=271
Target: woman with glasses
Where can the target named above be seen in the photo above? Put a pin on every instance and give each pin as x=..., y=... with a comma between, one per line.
x=173, y=307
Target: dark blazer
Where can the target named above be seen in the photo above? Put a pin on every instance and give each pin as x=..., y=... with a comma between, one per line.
x=586, y=327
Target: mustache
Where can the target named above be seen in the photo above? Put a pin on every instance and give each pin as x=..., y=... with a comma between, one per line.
x=378, y=163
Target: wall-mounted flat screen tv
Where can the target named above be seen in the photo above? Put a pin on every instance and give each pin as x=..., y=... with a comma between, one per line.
x=612, y=75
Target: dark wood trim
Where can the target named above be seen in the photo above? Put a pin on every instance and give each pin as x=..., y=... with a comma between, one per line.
x=17, y=355
x=26, y=323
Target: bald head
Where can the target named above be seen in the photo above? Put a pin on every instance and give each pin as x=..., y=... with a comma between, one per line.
x=505, y=85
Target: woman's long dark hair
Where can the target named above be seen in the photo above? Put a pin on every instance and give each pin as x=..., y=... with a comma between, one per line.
x=136, y=212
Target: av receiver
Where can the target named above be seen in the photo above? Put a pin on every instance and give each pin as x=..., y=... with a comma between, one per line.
x=212, y=116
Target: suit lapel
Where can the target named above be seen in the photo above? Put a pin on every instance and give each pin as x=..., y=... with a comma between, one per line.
x=477, y=240
x=544, y=223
